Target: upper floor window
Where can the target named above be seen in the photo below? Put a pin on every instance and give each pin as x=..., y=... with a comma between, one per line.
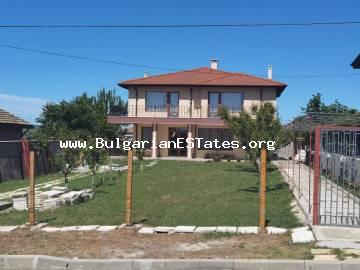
x=233, y=101
x=163, y=102
x=156, y=101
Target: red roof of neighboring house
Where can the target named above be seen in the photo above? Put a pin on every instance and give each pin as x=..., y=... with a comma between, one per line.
x=205, y=77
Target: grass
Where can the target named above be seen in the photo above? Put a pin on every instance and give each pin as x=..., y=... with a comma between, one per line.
x=177, y=193
x=22, y=183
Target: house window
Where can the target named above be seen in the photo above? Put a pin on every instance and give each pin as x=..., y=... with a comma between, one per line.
x=156, y=101
x=146, y=135
x=210, y=134
x=232, y=101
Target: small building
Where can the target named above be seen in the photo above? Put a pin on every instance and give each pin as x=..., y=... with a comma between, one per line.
x=185, y=104
x=12, y=129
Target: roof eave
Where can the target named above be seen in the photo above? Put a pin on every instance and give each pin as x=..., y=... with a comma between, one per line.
x=18, y=124
x=126, y=85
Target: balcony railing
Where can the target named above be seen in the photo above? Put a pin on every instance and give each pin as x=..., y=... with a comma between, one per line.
x=181, y=111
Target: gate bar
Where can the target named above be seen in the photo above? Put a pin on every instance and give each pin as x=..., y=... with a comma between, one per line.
x=316, y=177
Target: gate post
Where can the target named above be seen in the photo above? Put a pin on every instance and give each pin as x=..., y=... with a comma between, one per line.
x=316, y=194
x=32, y=189
x=128, y=209
x=262, y=219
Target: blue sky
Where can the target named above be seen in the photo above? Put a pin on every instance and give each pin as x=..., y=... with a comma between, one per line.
x=28, y=80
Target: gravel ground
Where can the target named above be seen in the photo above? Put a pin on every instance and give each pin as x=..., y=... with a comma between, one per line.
x=127, y=243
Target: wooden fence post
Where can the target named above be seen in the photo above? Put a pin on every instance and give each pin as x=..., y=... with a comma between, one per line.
x=32, y=188
x=262, y=219
x=129, y=189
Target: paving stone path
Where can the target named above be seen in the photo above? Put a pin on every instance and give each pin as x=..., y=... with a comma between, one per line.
x=337, y=205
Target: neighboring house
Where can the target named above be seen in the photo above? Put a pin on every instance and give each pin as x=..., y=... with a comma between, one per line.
x=356, y=62
x=12, y=129
x=185, y=105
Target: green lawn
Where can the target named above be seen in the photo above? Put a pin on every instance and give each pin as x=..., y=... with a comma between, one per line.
x=22, y=183
x=177, y=193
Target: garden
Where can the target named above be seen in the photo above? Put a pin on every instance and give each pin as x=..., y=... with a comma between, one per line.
x=171, y=193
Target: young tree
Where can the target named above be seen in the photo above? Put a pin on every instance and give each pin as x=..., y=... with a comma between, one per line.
x=94, y=157
x=259, y=124
x=66, y=160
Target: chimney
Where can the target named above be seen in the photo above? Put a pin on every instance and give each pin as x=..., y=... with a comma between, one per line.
x=270, y=72
x=146, y=74
x=214, y=63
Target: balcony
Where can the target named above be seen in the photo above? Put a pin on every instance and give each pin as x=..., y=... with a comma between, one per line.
x=182, y=111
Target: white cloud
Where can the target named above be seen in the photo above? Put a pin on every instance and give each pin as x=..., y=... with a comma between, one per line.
x=27, y=108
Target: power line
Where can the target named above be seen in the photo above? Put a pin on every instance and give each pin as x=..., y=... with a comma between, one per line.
x=240, y=25
x=83, y=57
x=155, y=67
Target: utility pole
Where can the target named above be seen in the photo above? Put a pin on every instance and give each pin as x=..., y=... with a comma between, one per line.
x=32, y=188
x=262, y=220
x=129, y=189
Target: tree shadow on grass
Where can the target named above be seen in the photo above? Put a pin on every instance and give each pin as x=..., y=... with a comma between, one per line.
x=249, y=169
x=255, y=189
x=46, y=219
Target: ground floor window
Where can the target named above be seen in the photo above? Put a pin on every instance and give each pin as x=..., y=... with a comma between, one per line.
x=210, y=134
x=146, y=135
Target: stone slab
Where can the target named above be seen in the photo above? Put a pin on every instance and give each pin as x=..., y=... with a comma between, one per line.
x=87, y=228
x=302, y=237
x=69, y=228
x=51, y=229
x=164, y=229
x=336, y=233
x=146, y=230
x=300, y=229
x=338, y=244
x=185, y=229
x=149, y=264
x=242, y=264
x=325, y=257
x=248, y=230
x=275, y=230
x=38, y=226
x=325, y=265
x=219, y=264
x=205, y=230
x=6, y=229
x=226, y=229
x=321, y=251
x=15, y=262
x=106, y=228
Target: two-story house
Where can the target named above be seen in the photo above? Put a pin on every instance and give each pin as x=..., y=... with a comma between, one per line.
x=185, y=104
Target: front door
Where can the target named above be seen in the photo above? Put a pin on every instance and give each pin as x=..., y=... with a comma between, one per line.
x=174, y=134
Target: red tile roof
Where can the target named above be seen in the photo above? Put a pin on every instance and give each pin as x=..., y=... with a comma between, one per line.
x=205, y=77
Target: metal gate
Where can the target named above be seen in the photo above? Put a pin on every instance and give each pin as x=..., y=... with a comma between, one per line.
x=337, y=176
